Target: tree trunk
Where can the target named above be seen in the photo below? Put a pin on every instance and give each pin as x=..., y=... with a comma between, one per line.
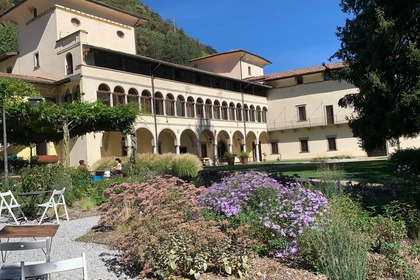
x=66, y=144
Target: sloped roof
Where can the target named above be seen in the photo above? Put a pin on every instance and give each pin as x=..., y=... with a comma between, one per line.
x=240, y=51
x=302, y=71
x=31, y=79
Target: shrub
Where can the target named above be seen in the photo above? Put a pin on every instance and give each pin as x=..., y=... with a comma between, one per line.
x=162, y=232
x=329, y=175
x=275, y=213
x=186, y=166
x=407, y=157
x=338, y=247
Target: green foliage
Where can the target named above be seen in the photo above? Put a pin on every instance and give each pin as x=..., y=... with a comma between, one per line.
x=329, y=175
x=55, y=176
x=380, y=45
x=169, y=238
x=338, y=248
x=26, y=125
x=8, y=37
x=185, y=166
x=407, y=157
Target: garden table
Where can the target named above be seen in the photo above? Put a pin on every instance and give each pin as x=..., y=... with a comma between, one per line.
x=31, y=231
x=31, y=200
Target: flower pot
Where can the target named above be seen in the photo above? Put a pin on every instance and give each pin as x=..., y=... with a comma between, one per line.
x=45, y=159
x=244, y=160
x=231, y=161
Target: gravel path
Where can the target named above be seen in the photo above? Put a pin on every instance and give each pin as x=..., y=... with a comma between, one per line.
x=64, y=246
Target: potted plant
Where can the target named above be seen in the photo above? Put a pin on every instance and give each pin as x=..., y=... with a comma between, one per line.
x=244, y=157
x=230, y=157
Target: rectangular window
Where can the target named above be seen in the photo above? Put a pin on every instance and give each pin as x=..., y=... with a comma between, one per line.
x=299, y=80
x=301, y=112
x=249, y=70
x=330, y=114
x=36, y=59
x=304, y=148
x=9, y=69
x=274, y=148
x=332, y=146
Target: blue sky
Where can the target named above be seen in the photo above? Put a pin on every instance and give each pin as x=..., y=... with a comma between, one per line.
x=292, y=34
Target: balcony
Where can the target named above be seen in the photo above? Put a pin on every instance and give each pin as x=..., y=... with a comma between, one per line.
x=310, y=122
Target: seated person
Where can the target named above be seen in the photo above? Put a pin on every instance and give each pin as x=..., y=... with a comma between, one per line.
x=117, y=169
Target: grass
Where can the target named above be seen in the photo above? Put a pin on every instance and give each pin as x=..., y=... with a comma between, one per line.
x=372, y=171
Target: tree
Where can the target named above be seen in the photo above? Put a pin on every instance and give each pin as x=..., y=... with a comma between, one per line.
x=380, y=46
x=57, y=122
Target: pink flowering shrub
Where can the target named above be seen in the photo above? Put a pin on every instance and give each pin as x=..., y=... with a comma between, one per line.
x=162, y=233
x=275, y=213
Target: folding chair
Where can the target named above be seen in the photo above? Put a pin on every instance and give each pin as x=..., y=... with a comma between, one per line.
x=9, y=202
x=13, y=270
x=34, y=270
x=56, y=200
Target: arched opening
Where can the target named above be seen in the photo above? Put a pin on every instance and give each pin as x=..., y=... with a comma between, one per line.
x=118, y=96
x=158, y=103
x=103, y=94
x=146, y=102
x=69, y=64
x=170, y=105
x=180, y=106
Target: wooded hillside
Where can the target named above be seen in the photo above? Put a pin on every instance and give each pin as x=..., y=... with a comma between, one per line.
x=157, y=38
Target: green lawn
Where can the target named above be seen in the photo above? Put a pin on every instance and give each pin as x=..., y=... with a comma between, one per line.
x=372, y=171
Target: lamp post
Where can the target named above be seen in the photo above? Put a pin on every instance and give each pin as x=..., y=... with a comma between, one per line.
x=6, y=168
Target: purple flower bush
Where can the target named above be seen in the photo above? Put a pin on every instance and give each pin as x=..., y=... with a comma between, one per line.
x=276, y=213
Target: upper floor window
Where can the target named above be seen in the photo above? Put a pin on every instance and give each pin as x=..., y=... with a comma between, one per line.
x=69, y=63
x=299, y=80
x=34, y=12
x=146, y=101
x=259, y=115
x=327, y=76
x=264, y=115
x=133, y=96
x=103, y=94
x=232, y=111
x=246, y=113
x=118, y=96
x=190, y=107
x=238, y=112
x=252, y=113
x=200, y=108
x=180, y=106
x=249, y=70
x=170, y=105
x=208, y=109
x=36, y=60
x=75, y=22
x=120, y=34
x=158, y=103
x=216, y=110
x=301, y=112
x=224, y=110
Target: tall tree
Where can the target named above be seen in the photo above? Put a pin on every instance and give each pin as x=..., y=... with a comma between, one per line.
x=380, y=45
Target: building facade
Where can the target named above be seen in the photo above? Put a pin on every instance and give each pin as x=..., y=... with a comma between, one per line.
x=86, y=50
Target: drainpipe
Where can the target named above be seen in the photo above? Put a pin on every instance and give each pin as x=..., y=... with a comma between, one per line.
x=152, y=77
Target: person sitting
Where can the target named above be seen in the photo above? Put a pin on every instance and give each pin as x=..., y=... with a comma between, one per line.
x=117, y=169
x=81, y=164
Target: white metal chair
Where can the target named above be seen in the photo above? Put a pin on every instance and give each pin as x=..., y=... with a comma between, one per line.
x=13, y=270
x=34, y=270
x=56, y=200
x=9, y=202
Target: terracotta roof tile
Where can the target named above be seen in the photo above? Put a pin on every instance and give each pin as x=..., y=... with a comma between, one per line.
x=31, y=79
x=302, y=71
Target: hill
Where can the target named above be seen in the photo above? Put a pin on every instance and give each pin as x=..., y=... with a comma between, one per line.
x=158, y=38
